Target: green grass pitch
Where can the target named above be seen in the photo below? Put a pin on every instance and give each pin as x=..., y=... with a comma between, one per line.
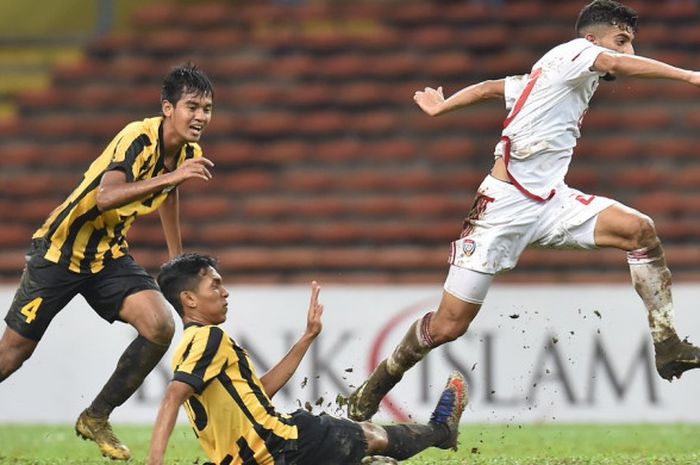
x=479, y=445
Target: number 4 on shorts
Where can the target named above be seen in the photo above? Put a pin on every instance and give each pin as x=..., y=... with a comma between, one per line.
x=30, y=309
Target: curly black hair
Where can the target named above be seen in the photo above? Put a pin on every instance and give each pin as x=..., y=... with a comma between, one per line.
x=607, y=12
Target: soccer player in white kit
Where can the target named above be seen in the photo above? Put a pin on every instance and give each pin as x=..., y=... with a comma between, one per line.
x=525, y=202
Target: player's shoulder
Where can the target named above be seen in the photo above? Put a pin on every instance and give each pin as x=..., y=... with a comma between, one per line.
x=573, y=46
x=147, y=126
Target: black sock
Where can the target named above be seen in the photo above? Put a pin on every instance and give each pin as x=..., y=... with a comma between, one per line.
x=407, y=440
x=137, y=361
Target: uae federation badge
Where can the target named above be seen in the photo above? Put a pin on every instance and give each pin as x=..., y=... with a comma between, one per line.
x=468, y=247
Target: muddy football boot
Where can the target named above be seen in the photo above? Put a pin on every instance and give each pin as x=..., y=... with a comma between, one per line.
x=100, y=431
x=674, y=357
x=450, y=407
x=364, y=402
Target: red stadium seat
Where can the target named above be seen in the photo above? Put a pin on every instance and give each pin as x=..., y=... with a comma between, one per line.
x=155, y=16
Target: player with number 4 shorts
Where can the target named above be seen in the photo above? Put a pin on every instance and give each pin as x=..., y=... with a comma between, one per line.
x=82, y=247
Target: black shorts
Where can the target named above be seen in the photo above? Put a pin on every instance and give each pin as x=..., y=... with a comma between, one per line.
x=327, y=440
x=45, y=288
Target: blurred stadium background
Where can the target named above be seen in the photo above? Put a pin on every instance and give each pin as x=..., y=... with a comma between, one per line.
x=325, y=168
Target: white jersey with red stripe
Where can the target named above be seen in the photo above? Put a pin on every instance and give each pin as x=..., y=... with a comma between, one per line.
x=547, y=107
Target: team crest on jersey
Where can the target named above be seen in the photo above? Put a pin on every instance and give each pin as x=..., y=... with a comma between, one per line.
x=468, y=247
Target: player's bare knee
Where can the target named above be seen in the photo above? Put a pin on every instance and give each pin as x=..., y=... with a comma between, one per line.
x=160, y=328
x=448, y=331
x=9, y=365
x=376, y=437
x=5, y=371
x=451, y=320
x=645, y=233
x=165, y=330
x=12, y=357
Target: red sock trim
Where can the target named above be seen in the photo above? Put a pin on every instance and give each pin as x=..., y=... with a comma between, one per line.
x=644, y=255
x=425, y=336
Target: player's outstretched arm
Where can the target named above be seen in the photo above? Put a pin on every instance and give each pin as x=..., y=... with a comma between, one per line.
x=433, y=102
x=175, y=395
x=617, y=64
x=115, y=191
x=278, y=375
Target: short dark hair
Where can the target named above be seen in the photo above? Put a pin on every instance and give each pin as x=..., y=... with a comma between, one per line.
x=185, y=79
x=607, y=12
x=183, y=273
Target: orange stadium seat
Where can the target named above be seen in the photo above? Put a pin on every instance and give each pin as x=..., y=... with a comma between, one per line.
x=435, y=38
x=460, y=13
x=524, y=11
x=677, y=10
x=451, y=149
x=155, y=16
x=389, y=151
x=449, y=64
x=208, y=15
x=668, y=147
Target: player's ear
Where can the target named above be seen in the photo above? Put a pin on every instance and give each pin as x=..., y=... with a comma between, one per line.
x=167, y=108
x=188, y=299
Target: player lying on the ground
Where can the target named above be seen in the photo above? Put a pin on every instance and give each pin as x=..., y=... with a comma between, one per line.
x=525, y=201
x=229, y=406
x=82, y=248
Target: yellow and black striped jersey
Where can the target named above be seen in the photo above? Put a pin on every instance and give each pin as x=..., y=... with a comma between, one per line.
x=230, y=412
x=83, y=238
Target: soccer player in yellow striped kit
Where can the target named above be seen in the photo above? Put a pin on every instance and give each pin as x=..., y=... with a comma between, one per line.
x=82, y=248
x=229, y=407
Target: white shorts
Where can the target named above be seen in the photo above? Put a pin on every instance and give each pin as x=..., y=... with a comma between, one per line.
x=467, y=285
x=503, y=222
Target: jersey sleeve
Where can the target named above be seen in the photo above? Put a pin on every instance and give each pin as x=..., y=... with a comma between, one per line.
x=205, y=357
x=130, y=154
x=513, y=87
x=190, y=151
x=580, y=59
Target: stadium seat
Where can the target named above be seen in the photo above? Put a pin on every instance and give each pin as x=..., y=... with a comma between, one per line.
x=155, y=16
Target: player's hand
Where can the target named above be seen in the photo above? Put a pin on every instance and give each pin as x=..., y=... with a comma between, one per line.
x=430, y=100
x=313, y=318
x=695, y=78
x=192, y=168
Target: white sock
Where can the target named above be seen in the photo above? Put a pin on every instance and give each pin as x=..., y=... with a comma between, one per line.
x=415, y=344
x=652, y=281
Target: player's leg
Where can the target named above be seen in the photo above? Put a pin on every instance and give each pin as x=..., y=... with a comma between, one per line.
x=497, y=229
x=14, y=350
x=624, y=228
x=44, y=289
x=464, y=293
x=589, y=222
x=406, y=440
x=327, y=439
x=125, y=292
x=147, y=312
